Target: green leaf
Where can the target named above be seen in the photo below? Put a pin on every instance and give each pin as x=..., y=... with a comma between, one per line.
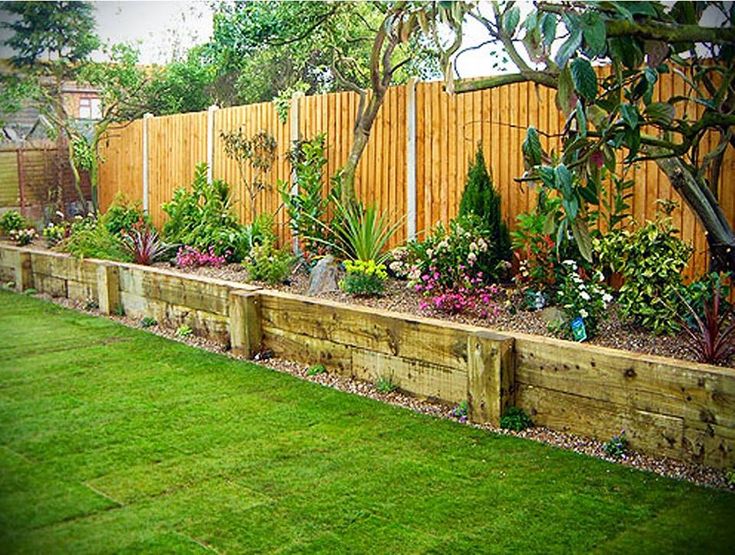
x=596, y=115
x=584, y=78
x=569, y=48
x=548, y=28
x=532, y=152
x=594, y=33
x=583, y=238
x=511, y=20
x=660, y=112
x=629, y=113
x=566, y=100
x=563, y=180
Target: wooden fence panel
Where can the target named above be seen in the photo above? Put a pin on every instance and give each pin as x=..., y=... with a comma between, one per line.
x=448, y=130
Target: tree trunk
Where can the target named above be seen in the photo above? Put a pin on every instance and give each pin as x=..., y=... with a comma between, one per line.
x=362, y=135
x=719, y=232
x=75, y=174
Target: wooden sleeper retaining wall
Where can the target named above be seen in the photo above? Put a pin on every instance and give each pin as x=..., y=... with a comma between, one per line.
x=667, y=407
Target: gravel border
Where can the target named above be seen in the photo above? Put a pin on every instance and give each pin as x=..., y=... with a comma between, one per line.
x=662, y=466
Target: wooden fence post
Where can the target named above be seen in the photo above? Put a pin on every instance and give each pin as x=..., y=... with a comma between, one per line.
x=246, y=334
x=108, y=288
x=23, y=272
x=211, y=112
x=490, y=376
x=411, y=159
x=146, y=183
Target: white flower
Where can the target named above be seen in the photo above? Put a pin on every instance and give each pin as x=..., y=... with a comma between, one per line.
x=482, y=244
x=471, y=258
x=429, y=253
x=607, y=297
x=585, y=296
x=473, y=246
x=583, y=313
x=568, y=262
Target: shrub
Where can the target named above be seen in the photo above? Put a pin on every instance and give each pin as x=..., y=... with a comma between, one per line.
x=268, y=263
x=89, y=238
x=307, y=209
x=143, y=245
x=515, y=419
x=191, y=257
x=364, y=279
x=471, y=295
x=148, y=322
x=184, y=331
x=249, y=235
x=123, y=215
x=203, y=218
x=399, y=262
x=23, y=237
x=11, y=221
x=482, y=199
x=581, y=296
x=535, y=250
x=54, y=233
x=651, y=260
x=617, y=446
x=711, y=329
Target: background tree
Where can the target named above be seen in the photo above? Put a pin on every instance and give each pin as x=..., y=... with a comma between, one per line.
x=50, y=41
x=613, y=115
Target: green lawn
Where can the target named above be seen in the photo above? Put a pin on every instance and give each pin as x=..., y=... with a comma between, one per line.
x=115, y=440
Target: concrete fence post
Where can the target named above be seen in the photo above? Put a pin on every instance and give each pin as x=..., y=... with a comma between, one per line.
x=246, y=334
x=146, y=172
x=211, y=112
x=490, y=376
x=294, y=136
x=411, y=159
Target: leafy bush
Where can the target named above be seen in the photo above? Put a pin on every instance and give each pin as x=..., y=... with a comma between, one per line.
x=399, y=262
x=184, y=331
x=143, y=245
x=535, y=250
x=651, y=260
x=515, y=419
x=617, y=446
x=711, y=329
x=307, y=209
x=148, y=322
x=23, y=237
x=90, y=238
x=482, y=199
x=54, y=233
x=191, y=257
x=464, y=250
x=260, y=231
x=359, y=233
x=11, y=221
x=471, y=295
x=363, y=279
x=203, y=218
x=581, y=296
x=123, y=215
x=268, y=263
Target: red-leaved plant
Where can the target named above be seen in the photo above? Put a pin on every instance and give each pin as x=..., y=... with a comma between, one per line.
x=712, y=336
x=143, y=245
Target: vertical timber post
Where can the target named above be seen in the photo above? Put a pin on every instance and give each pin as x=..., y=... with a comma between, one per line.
x=411, y=159
x=294, y=136
x=246, y=334
x=211, y=111
x=146, y=173
x=23, y=272
x=490, y=376
x=108, y=288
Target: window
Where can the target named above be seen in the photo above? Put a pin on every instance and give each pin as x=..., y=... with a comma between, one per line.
x=89, y=108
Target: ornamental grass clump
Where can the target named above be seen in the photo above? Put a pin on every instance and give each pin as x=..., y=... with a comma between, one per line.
x=363, y=279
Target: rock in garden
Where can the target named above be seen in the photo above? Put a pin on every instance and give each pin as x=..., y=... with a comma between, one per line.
x=324, y=276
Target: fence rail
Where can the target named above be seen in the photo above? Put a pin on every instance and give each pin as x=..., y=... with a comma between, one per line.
x=415, y=163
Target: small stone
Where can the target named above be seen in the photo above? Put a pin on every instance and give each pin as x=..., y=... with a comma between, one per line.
x=552, y=315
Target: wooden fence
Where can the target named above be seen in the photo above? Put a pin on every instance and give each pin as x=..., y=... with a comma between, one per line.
x=415, y=163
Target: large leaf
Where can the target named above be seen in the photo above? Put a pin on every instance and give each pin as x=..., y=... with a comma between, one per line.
x=532, y=152
x=511, y=20
x=566, y=100
x=660, y=112
x=569, y=47
x=594, y=33
x=563, y=180
x=584, y=78
x=583, y=239
x=548, y=28
x=629, y=113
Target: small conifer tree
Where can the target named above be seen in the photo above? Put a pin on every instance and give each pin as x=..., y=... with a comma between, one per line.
x=481, y=198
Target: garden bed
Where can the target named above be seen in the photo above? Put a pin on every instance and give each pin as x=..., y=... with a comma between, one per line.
x=398, y=297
